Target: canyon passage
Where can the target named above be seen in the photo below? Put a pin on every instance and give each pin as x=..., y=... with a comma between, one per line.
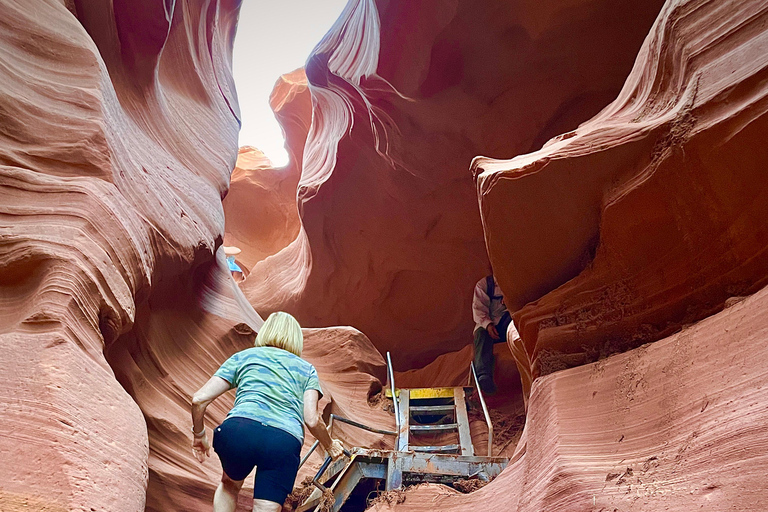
x=604, y=160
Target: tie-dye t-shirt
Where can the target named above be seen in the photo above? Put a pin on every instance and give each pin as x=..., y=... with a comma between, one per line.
x=270, y=386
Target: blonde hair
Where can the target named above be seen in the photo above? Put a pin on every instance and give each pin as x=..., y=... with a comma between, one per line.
x=281, y=330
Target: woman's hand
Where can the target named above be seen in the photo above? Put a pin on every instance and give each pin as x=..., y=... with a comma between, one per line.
x=211, y=390
x=336, y=450
x=201, y=448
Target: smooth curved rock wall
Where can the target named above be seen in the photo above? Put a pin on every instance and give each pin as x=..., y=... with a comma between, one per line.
x=118, y=130
x=404, y=95
x=651, y=215
x=675, y=425
x=260, y=208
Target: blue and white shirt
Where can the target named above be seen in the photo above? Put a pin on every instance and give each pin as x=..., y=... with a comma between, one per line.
x=270, y=386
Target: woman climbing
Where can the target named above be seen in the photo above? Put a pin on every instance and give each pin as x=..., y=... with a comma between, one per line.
x=277, y=391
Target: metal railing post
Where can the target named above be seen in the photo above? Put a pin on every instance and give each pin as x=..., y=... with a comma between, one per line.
x=485, y=410
x=394, y=397
x=310, y=452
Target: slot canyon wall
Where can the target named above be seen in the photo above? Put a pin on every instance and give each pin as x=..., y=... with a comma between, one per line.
x=633, y=206
x=404, y=96
x=260, y=208
x=651, y=215
x=644, y=219
x=118, y=131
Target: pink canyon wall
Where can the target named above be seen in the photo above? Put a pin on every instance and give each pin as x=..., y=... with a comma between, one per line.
x=404, y=95
x=652, y=214
x=118, y=131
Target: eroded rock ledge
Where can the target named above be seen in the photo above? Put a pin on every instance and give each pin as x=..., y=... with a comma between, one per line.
x=404, y=95
x=652, y=214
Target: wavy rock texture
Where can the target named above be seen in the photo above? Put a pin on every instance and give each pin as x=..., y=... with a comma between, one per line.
x=676, y=425
x=652, y=214
x=118, y=130
x=260, y=208
x=404, y=95
x=350, y=370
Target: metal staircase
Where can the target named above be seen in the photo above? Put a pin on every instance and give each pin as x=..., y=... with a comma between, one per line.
x=425, y=411
x=418, y=413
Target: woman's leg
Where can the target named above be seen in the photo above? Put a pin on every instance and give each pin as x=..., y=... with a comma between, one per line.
x=276, y=468
x=225, y=497
x=266, y=506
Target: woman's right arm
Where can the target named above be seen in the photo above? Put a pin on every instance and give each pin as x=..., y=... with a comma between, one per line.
x=317, y=427
x=211, y=390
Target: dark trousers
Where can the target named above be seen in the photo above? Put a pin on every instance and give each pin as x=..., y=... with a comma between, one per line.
x=484, y=347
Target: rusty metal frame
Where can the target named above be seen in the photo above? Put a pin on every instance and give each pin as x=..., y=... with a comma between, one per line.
x=429, y=467
x=462, y=420
x=335, y=417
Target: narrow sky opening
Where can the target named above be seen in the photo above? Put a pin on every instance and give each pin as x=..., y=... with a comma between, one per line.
x=274, y=37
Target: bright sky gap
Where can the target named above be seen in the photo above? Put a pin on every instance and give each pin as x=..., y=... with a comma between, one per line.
x=273, y=38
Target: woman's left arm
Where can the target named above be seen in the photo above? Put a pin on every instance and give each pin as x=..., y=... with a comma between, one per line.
x=211, y=390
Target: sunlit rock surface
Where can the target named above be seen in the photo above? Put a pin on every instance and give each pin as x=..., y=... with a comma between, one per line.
x=118, y=131
x=651, y=215
x=404, y=95
x=260, y=208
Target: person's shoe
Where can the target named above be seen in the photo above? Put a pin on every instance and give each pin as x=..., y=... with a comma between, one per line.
x=487, y=385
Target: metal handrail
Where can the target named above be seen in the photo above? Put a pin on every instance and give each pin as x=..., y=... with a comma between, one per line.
x=317, y=443
x=310, y=452
x=335, y=417
x=485, y=410
x=362, y=426
x=394, y=397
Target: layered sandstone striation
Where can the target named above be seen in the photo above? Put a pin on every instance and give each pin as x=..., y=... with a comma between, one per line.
x=404, y=95
x=676, y=425
x=118, y=131
x=652, y=214
x=260, y=208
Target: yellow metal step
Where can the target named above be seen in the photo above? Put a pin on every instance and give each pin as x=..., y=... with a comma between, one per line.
x=424, y=393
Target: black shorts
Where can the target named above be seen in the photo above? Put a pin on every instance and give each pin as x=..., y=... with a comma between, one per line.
x=242, y=443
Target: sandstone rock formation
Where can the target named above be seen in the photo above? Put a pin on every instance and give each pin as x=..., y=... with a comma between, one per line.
x=260, y=208
x=652, y=214
x=676, y=425
x=118, y=130
x=404, y=96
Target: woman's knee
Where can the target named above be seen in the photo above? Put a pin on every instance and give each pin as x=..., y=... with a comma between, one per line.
x=266, y=506
x=231, y=485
